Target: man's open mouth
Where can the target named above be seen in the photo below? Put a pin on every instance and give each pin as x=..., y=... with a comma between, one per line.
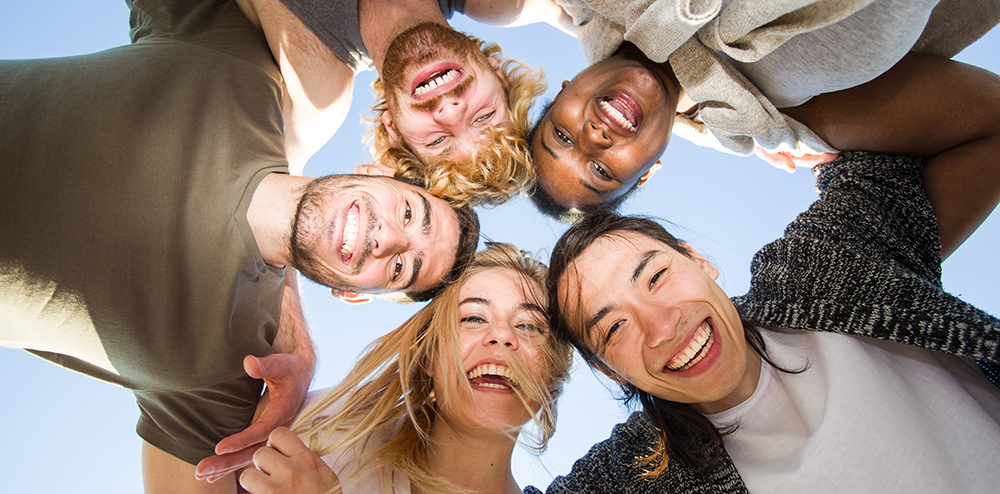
x=350, y=233
x=621, y=110
x=695, y=351
x=436, y=79
x=497, y=376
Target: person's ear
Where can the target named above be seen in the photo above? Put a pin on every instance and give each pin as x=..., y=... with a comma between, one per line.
x=496, y=68
x=390, y=130
x=352, y=298
x=374, y=169
x=703, y=263
x=649, y=173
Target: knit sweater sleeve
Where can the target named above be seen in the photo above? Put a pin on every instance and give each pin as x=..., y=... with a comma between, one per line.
x=610, y=468
x=865, y=259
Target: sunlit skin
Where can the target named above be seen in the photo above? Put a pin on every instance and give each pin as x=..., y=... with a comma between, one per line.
x=498, y=323
x=451, y=120
x=643, y=304
x=405, y=241
x=584, y=154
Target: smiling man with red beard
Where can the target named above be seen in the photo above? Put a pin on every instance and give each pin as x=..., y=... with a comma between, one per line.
x=448, y=107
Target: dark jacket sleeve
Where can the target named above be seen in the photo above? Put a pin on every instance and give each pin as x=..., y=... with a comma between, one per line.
x=865, y=259
x=610, y=467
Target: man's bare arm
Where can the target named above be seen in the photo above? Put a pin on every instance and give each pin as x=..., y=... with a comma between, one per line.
x=318, y=86
x=512, y=13
x=931, y=107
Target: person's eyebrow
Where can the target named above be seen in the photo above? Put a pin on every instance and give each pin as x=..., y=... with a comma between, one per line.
x=639, y=268
x=425, y=227
x=591, y=188
x=425, y=230
x=546, y=147
x=475, y=300
x=636, y=274
x=528, y=306
x=418, y=261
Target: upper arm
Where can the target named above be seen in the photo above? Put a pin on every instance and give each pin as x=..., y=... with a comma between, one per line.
x=167, y=474
x=512, y=13
x=318, y=86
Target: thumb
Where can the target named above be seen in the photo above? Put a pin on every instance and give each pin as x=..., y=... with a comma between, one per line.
x=255, y=367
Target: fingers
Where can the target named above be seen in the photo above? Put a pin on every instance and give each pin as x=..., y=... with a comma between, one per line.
x=216, y=467
x=287, y=442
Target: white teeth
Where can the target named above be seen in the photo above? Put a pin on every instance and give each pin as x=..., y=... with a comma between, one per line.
x=448, y=76
x=350, y=233
x=616, y=115
x=695, y=351
x=492, y=370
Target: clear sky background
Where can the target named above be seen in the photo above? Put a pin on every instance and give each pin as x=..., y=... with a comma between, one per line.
x=63, y=432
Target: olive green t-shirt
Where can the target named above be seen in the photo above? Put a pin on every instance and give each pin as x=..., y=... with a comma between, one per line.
x=125, y=251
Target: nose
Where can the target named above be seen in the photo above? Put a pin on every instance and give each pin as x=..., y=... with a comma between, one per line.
x=595, y=135
x=660, y=328
x=388, y=241
x=450, y=112
x=501, y=333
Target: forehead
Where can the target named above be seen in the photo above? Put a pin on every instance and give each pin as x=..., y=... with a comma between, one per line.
x=609, y=261
x=497, y=285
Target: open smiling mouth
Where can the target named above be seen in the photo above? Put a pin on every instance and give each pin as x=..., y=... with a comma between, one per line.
x=436, y=79
x=350, y=233
x=623, y=111
x=496, y=376
x=695, y=351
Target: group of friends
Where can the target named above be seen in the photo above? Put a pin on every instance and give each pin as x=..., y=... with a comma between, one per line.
x=154, y=221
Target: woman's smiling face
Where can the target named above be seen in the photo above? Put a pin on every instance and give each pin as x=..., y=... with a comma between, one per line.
x=501, y=321
x=603, y=131
x=657, y=319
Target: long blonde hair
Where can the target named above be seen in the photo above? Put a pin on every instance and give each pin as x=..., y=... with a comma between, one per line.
x=495, y=173
x=391, y=386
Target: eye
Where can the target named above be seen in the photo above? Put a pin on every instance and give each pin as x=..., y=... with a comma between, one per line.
x=437, y=141
x=398, y=269
x=473, y=320
x=407, y=214
x=600, y=171
x=656, y=277
x=563, y=137
x=486, y=117
x=530, y=327
x=612, y=330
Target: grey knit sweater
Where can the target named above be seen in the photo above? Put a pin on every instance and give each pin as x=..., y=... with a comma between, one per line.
x=865, y=259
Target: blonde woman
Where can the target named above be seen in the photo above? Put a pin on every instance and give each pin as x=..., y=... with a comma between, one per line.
x=438, y=404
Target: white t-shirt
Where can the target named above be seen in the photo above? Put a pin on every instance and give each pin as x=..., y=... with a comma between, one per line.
x=343, y=464
x=866, y=416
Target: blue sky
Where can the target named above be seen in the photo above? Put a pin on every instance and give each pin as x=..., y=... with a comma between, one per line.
x=63, y=432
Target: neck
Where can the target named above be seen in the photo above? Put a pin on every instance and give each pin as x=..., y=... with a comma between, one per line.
x=744, y=390
x=382, y=20
x=475, y=460
x=271, y=213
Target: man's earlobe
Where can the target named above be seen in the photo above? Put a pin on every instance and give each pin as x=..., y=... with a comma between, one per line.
x=496, y=67
x=352, y=298
x=649, y=173
x=703, y=263
x=374, y=169
x=389, y=129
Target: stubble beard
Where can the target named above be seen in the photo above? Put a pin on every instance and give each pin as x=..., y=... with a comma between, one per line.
x=309, y=229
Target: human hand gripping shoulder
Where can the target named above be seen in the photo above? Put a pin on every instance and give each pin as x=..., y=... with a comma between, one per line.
x=286, y=465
